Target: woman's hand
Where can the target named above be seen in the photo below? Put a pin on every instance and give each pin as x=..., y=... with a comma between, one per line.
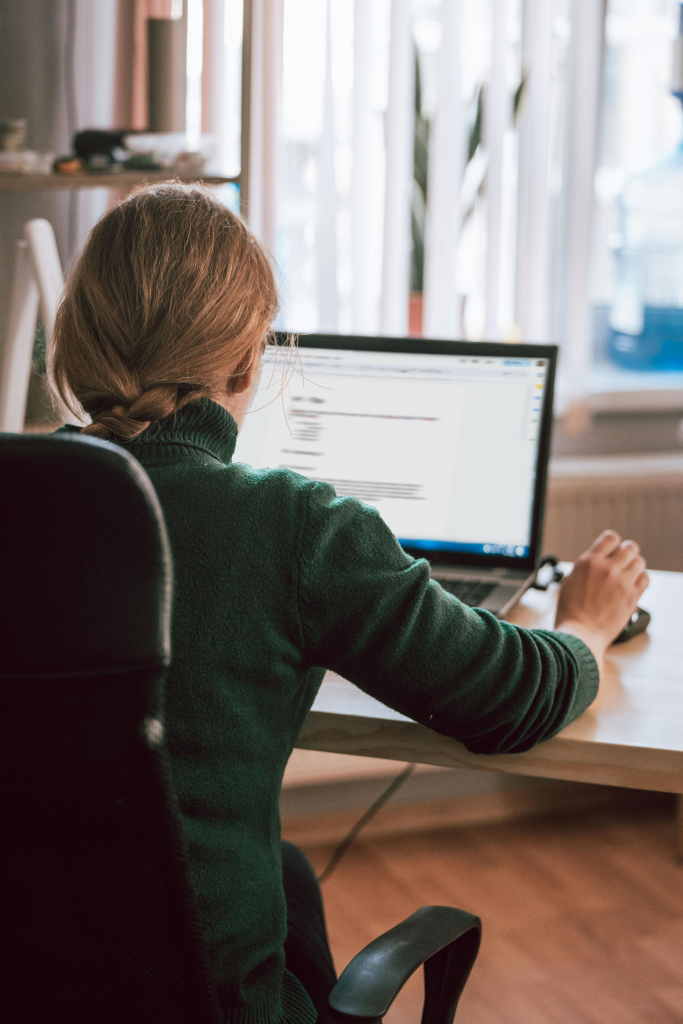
x=601, y=593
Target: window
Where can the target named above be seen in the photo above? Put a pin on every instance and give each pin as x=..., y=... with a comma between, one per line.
x=363, y=149
x=456, y=167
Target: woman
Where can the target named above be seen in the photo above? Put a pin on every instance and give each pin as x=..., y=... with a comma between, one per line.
x=159, y=338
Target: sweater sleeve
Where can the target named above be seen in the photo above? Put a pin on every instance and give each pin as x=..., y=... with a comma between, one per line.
x=371, y=613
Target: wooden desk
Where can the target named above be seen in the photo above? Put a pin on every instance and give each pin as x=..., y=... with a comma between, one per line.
x=632, y=735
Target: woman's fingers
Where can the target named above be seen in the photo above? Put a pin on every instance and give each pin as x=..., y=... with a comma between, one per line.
x=627, y=552
x=606, y=544
x=631, y=572
x=642, y=583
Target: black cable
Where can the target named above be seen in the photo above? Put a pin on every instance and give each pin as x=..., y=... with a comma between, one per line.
x=393, y=786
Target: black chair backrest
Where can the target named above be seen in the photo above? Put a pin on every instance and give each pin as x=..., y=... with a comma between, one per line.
x=97, y=913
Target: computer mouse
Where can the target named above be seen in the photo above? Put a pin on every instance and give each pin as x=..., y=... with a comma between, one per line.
x=638, y=623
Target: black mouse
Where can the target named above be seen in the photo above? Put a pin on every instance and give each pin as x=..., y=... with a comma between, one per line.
x=638, y=623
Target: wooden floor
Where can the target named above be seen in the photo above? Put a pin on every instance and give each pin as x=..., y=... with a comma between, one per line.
x=583, y=915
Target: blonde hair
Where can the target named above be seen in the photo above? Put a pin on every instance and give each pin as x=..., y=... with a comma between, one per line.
x=170, y=301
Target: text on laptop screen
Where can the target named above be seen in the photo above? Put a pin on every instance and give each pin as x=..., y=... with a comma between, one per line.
x=444, y=446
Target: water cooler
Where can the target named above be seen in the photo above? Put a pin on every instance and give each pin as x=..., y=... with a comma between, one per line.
x=646, y=316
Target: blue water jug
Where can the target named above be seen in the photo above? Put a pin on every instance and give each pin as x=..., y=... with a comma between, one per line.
x=646, y=316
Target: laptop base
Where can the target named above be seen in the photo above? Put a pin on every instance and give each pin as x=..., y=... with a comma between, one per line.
x=495, y=590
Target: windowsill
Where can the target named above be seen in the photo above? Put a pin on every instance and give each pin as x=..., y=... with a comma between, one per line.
x=611, y=389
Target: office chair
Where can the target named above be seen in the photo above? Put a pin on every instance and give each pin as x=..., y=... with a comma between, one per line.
x=97, y=910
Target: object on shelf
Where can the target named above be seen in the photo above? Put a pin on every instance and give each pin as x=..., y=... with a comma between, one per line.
x=165, y=149
x=189, y=165
x=67, y=165
x=25, y=161
x=108, y=152
x=101, y=150
x=143, y=162
x=646, y=316
x=98, y=163
x=13, y=134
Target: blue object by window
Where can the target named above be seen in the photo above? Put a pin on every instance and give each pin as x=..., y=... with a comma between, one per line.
x=646, y=316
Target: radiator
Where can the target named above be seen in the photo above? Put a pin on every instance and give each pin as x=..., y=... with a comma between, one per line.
x=640, y=496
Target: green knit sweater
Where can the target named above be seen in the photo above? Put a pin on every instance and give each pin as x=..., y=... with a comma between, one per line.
x=277, y=579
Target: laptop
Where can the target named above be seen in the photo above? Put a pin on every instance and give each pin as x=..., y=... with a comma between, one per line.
x=448, y=440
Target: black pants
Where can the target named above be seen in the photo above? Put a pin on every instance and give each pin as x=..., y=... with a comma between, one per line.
x=307, y=949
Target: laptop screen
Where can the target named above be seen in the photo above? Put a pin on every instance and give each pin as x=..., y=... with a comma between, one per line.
x=445, y=444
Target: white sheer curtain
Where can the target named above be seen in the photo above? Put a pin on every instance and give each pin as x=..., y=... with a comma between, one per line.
x=533, y=295
x=574, y=328
x=399, y=143
x=363, y=161
x=263, y=31
x=497, y=116
x=509, y=92
x=442, y=303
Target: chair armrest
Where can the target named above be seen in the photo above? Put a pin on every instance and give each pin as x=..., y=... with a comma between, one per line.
x=445, y=940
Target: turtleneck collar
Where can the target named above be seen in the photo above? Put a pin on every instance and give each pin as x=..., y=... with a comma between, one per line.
x=201, y=426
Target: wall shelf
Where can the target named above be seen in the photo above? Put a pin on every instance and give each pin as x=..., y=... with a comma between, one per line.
x=125, y=180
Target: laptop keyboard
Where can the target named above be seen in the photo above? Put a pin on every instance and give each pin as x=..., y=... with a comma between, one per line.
x=470, y=592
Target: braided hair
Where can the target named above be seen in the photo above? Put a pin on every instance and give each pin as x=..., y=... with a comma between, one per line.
x=169, y=301
x=126, y=423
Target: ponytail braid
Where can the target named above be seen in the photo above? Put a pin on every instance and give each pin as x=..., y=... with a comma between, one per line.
x=124, y=424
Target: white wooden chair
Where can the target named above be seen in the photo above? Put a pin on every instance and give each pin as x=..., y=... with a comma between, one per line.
x=36, y=290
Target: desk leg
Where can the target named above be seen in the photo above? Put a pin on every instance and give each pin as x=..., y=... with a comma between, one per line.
x=679, y=827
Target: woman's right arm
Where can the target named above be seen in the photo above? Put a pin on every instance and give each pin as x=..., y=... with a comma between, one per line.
x=371, y=613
